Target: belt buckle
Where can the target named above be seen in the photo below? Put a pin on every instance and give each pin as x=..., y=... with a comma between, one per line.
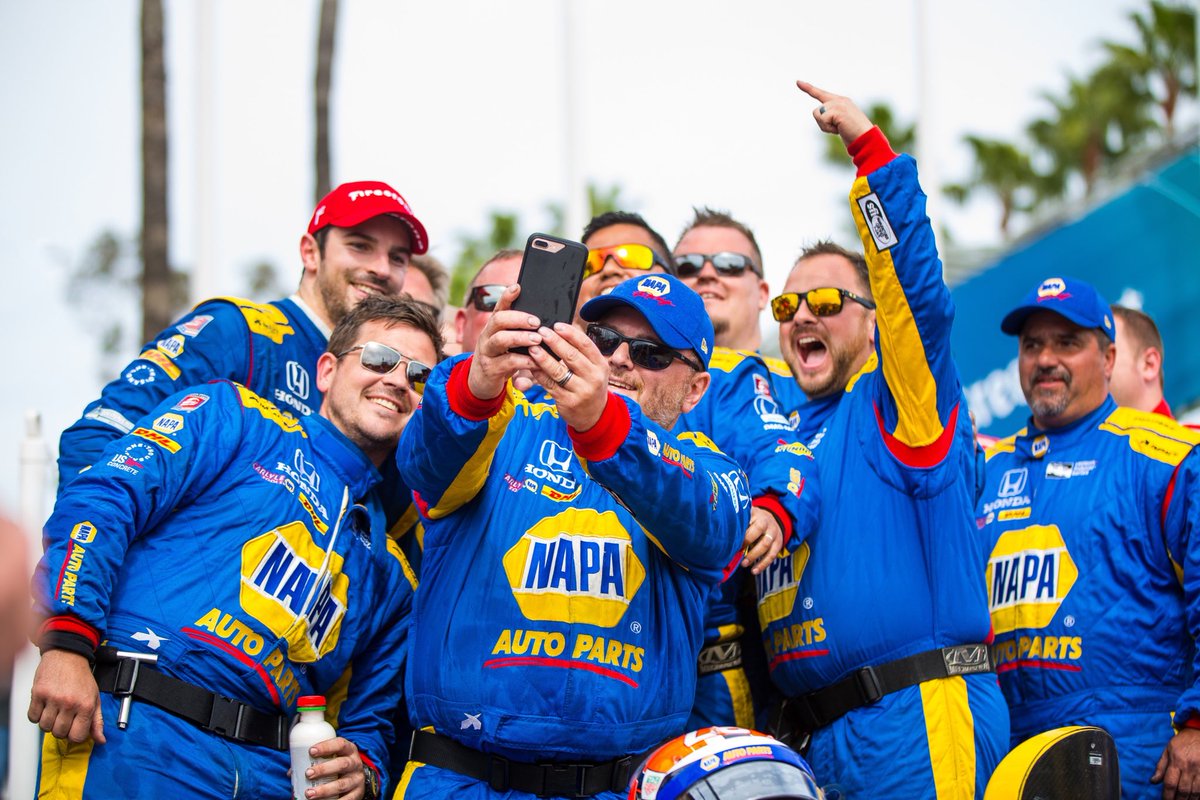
x=967, y=659
x=622, y=773
x=557, y=770
x=129, y=666
x=868, y=684
x=498, y=773
x=225, y=718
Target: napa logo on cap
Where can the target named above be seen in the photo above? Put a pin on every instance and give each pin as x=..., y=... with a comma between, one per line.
x=1053, y=288
x=654, y=286
x=284, y=587
x=576, y=566
x=1029, y=574
x=777, y=585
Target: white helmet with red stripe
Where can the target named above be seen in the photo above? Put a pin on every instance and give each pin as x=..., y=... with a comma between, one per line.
x=724, y=764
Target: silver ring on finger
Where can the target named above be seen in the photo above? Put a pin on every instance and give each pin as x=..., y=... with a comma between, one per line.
x=821, y=110
x=565, y=379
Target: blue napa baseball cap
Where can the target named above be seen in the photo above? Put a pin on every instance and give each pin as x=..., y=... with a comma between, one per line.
x=674, y=311
x=1071, y=298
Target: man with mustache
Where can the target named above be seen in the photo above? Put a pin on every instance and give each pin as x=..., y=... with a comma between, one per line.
x=877, y=624
x=1093, y=581
x=358, y=243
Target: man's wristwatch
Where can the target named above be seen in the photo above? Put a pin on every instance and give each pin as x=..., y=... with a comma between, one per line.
x=370, y=784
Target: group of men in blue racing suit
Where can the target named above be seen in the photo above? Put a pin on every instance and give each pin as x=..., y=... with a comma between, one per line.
x=576, y=606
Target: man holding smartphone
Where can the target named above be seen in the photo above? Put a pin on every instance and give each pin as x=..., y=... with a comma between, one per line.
x=571, y=544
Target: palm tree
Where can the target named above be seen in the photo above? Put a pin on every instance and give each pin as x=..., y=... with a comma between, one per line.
x=502, y=235
x=1099, y=119
x=1003, y=169
x=1165, y=54
x=158, y=306
x=326, y=35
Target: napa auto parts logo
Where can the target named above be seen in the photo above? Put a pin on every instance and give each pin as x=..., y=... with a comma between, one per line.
x=577, y=566
x=1029, y=574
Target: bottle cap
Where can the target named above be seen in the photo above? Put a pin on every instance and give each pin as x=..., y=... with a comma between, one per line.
x=311, y=702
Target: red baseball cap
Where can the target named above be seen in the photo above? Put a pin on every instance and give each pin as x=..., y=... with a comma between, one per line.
x=354, y=203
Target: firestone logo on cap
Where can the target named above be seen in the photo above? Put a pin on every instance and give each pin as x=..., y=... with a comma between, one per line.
x=1053, y=287
x=355, y=195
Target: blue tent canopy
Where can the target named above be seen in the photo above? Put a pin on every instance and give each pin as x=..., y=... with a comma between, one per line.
x=1143, y=244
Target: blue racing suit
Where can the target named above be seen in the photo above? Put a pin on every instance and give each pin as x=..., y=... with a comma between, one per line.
x=564, y=579
x=1094, y=580
x=270, y=348
x=894, y=568
x=745, y=413
x=224, y=537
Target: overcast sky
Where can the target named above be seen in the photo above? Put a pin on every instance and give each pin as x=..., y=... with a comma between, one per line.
x=460, y=105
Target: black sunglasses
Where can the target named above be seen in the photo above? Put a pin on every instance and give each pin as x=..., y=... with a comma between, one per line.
x=485, y=296
x=823, y=302
x=643, y=352
x=381, y=359
x=690, y=264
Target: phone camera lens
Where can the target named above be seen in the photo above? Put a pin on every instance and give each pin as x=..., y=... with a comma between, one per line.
x=540, y=243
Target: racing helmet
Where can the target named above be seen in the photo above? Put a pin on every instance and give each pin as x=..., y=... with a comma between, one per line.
x=724, y=764
x=1077, y=762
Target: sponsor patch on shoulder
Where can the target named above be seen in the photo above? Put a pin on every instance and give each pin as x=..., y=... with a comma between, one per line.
x=160, y=360
x=172, y=346
x=190, y=402
x=877, y=222
x=194, y=325
x=166, y=443
x=168, y=423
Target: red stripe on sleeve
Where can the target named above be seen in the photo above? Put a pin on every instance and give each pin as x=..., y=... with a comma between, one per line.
x=69, y=624
x=769, y=502
x=602, y=440
x=463, y=402
x=871, y=151
x=926, y=456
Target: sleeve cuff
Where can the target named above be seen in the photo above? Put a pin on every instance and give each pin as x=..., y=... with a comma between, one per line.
x=69, y=633
x=602, y=440
x=871, y=151
x=463, y=402
x=771, y=504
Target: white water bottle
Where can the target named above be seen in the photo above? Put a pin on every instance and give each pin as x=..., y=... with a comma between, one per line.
x=311, y=728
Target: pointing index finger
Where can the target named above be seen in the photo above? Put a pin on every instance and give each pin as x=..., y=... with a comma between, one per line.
x=814, y=92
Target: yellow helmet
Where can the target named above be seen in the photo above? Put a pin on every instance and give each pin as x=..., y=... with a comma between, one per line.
x=1073, y=763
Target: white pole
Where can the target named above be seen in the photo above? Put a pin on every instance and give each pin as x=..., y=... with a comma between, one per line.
x=204, y=282
x=24, y=737
x=577, y=212
x=926, y=146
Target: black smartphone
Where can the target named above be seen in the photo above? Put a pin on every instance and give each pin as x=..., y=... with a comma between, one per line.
x=551, y=274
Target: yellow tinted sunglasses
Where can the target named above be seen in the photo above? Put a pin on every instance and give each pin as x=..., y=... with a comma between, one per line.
x=823, y=302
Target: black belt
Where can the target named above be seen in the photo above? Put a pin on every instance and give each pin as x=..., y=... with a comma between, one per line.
x=865, y=686
x=502, y=774
x=128, y=678
x=719, y=657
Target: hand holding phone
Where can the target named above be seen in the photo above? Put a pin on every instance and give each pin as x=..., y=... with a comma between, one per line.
x=551, y=274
